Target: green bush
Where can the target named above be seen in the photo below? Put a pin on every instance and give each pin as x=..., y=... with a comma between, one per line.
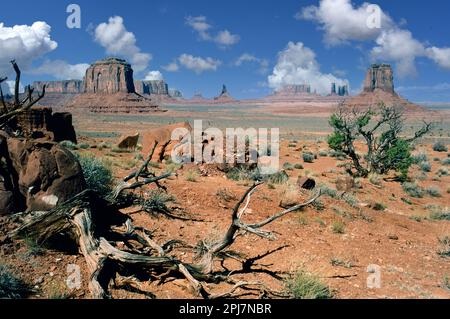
x=11, y=286
x=419, y=158
x=305, y=286
x=98, y=174
x=157, y=201
x=308, y=157
x=379, y=207
x=192, y=176
x=83, y=146
x=440, y=147
x=413, y=190
x=298, y=166
x=69, y=145
x=288, y=166
x=425, y=167
x=434, y=191
x=443, y=171
x=446, y=161
x=338, y=227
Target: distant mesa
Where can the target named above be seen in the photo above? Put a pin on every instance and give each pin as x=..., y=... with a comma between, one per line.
x=379, y=88
x=107, y=87
x=293, y=90
x=339, y=90
x=156, y=87
x=176, y=94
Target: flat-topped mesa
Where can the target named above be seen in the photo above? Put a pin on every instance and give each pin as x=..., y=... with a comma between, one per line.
x=294, y=89
x=152, y=87
x=63, y=87
x=109, y=76
x=379, y=76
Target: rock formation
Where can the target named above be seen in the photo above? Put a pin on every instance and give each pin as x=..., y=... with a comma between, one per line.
x=175, y=94
x=379, y=76
x=128, y=142
x=155, y=87
x=37, y=175
x=111, y=75
x=62, y=87
x=224, y=96
x=163, y=136
x=42, y=122
x=379, y=88
x=294, y=90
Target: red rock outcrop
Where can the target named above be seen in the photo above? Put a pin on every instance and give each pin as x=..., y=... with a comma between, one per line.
x=128, y=141
x=62, y=87
x=109, y=76
x=37, y=175
x=163, y=136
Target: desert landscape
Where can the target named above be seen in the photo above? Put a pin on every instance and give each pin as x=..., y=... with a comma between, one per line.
x=109, y=189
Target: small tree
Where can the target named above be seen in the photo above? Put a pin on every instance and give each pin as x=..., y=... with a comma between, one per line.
x=381, y=131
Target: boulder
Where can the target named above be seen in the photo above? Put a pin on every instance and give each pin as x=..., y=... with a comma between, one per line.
x=40, y=175
x=306, y=183
x=345, y=184
x=163, y=136
x=128, y=142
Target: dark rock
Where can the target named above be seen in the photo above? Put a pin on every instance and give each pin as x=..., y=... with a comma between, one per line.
x=128, y=141
x=306, y=183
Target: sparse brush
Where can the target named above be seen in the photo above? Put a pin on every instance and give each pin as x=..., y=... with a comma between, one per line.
x=277, y=178
x=11, y=286
x=438, y=213
x=440, y=147
x=446, y=282
x=443, y=171
x=302, y=285
x=327, y=191
x=156, y=201
x=69, y=145
x=413, y=190
x=446, y=161
x=419, y=158
x=104, y=145
x=337, y=262
x=84, y=146
x=225, y=195
x=33, y=248
x=444, y=249
x=308, y=157
x=98, y=174
x=338, y=227
x=298, y=166
x=350, y=200
x=289, y=195
x=120, y=150
x=433, y=191
x=425, y=167
x=375, y=179
x=323, y=153
x=192, y=176
x=379, y=207
x=288, y=167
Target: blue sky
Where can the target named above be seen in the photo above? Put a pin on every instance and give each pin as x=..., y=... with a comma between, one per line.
x=187, y=33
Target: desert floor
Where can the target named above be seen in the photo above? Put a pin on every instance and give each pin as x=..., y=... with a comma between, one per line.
x=403, y=239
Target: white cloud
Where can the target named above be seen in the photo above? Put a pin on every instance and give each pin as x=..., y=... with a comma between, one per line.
x=440, y=55
x=62, y=70
x=115, y=38
x=250, y=58
x=154, y=76
x=297, y=65
x=223, y=38
x=171, y=67
x=199, y=64
x=24, y=44
x=8, y=87
x=399, y=46
x=342, y=22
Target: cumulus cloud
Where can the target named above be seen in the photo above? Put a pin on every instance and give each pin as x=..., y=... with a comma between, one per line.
x=198, y=64
x=154, y=76
x=171, y=67
x=342, y=22
x=223, y=38
x=297, y=64
x=440, y=55
x=61, y=70
x=24, y=44
x=400, y=46
x=250, y=58
x=115, y=38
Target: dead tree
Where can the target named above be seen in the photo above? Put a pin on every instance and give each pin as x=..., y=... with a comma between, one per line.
x=96, y=225
x=10, y=112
